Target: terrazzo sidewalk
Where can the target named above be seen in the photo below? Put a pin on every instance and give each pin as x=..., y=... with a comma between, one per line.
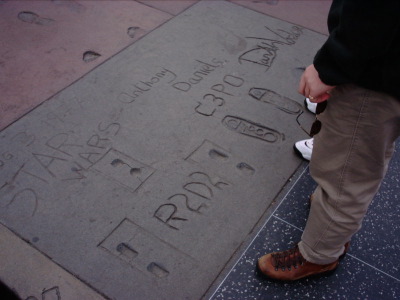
x=370, y=270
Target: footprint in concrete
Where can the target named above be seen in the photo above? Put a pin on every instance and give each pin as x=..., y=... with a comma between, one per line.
x=132, y=31
x=283, y=103
x=133, y=171
x=216, y=154
x=117, y=162
x=30, y=17
x=157, y=270
x=127, y=251
x=89, y=56
x=246, y=168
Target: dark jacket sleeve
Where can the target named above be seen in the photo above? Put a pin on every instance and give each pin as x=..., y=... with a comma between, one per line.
x=364, y=36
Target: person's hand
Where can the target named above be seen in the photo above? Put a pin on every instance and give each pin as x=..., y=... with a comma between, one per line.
x=312, y=87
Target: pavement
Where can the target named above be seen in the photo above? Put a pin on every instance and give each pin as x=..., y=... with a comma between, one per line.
x=146, y=152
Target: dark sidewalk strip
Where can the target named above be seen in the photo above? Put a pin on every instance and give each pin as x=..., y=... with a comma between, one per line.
x=371, y=270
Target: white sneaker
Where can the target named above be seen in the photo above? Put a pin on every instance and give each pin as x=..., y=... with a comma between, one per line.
x=310, y=105
x=304, y=148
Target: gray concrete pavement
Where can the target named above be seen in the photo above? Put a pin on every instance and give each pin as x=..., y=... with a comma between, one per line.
x=144, y=178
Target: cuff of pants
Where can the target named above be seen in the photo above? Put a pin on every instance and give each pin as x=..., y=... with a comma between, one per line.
x=313, y=257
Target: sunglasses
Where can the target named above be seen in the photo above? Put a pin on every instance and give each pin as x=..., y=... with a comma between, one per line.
x=316, y=126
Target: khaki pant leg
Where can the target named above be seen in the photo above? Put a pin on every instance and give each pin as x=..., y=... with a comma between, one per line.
x=350, y=158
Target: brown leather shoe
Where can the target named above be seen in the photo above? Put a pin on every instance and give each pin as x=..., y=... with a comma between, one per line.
x=290, y=265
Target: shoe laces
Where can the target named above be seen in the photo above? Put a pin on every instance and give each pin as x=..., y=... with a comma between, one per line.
x=288, y=259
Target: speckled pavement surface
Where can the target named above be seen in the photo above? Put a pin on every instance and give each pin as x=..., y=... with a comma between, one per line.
x=113, y=225
x=370, y=270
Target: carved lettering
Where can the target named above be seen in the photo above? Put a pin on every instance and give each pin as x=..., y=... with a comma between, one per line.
x=26, y=195
x=220, y=88
x=96, y=141
x=166, y=214
x=203, y=70
x=182, y=86
x=233, y=80
x=265, y=51
x=186, y=200
x=208, y=106
x=144, y=86
x=20, y=171
x=51, y=294
x=112, y=128
x=126, y=98
x=13, y=179
x=59, y=141
x=207, y=178
x=199, y=189
x=23, y=138
x=205, y=111
x=91, y=157
x=252, y=129
x=46, y=161
x=35, y=176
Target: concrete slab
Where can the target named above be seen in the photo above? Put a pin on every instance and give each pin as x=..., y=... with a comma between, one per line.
x=34, y=276
x=311, y=14
x=47, y=45
x=173, y=7
x=145, y=176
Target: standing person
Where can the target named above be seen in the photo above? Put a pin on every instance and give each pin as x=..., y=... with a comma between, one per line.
x=358, y=69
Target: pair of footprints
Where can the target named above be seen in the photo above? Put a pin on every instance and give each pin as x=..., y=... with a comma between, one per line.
x=132, y=170
x=32, y=18
x=130, y=254
x=219, y=155
x=88, y=56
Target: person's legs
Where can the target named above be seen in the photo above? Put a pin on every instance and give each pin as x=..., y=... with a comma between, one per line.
x=350, y=158
x=349, y=161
